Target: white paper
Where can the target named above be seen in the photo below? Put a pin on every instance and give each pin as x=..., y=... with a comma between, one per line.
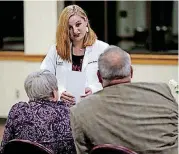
x=75, y=84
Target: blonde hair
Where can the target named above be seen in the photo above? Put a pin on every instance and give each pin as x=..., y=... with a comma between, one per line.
x=62, y=34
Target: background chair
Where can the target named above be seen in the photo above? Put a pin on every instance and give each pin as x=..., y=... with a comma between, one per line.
x=18, y=146
x=111, y=149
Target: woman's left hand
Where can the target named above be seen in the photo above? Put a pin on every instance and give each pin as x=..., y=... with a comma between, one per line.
x=88, y=91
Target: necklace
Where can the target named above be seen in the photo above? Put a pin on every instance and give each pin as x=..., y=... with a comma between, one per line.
x=79, y=52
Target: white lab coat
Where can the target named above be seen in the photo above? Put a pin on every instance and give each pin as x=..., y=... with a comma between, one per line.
x=58, y=67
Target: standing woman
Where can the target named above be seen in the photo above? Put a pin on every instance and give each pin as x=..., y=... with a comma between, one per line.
x=76, y=49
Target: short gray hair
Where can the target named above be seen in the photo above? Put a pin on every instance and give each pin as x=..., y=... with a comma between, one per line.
x=40, y=85
x=114, y=63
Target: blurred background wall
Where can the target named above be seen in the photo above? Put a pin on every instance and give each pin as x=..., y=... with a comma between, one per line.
x=40, y=21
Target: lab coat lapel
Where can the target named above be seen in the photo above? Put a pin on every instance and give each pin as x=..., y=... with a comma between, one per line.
x=68, y=65
x=86, y=58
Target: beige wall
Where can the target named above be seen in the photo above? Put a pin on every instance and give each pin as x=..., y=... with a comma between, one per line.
x=12, y=77
x=40, y=20
x=40, y=26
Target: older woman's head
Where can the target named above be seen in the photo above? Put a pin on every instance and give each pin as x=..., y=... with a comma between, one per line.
x=41, y=85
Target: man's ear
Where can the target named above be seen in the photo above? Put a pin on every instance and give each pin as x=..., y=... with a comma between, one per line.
x=131, y=71
x=99, y=77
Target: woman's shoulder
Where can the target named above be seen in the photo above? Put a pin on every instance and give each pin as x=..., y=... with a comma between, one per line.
x=52, y=49
x=99, y=42
x=62, y=105
x=100, y=46
x=62, y=108
x=20, y=105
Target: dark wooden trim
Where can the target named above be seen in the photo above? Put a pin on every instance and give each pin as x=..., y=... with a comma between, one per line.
x=3, y=120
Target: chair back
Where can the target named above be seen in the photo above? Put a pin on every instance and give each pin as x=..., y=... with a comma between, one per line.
x=111, y=149
x=18, y=146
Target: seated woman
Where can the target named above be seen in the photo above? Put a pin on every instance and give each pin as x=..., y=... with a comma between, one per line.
x=42, y=119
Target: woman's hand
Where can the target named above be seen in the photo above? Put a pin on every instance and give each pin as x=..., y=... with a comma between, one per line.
x=67, y=98
x=88, y=91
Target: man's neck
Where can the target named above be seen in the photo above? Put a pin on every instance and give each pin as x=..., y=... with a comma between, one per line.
x=115, y=82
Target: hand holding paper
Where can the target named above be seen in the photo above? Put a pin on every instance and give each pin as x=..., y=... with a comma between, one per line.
x=88, y=91
x=67, y=98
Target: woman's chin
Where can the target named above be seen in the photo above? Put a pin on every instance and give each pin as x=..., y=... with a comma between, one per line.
x=78, y=39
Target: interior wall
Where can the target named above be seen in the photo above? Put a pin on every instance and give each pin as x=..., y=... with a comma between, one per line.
x=13, y=74
x=40, y=21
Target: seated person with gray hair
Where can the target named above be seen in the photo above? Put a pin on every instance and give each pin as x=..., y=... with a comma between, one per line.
x=43, y=119
x=140, y=116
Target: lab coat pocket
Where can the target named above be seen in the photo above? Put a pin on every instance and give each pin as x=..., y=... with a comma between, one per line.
x=92, y=64
x=61, y=74
x=91, y=72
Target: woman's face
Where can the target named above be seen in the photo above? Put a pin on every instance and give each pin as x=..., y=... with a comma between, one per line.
x=77, y=28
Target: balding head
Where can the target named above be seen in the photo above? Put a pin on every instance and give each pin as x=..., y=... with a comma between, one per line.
x=115, y=64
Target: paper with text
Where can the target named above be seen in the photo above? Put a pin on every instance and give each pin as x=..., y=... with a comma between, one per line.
x=75, y=84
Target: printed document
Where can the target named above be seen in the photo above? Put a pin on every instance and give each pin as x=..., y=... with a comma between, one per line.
x=75, y=84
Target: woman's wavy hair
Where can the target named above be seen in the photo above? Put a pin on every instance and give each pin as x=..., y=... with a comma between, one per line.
x=62, y=34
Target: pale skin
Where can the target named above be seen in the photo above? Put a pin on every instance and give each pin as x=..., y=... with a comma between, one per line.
x=77, y=32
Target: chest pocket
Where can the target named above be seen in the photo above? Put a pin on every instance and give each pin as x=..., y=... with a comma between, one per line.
x=92, y=68
x=60, y=71
x=93, y=61
x=93, y=64
x=59, y=67
x=60, y=63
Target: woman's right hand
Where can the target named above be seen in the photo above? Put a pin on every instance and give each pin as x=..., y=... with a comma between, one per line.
x=67, y=98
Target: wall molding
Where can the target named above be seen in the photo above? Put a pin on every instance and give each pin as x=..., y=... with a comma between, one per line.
x=3, y=120
x=136, y=58
x=19, y=56
x=154, y=59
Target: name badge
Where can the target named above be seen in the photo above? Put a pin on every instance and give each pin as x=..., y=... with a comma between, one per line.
x=59, y=63
x=92, y=62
